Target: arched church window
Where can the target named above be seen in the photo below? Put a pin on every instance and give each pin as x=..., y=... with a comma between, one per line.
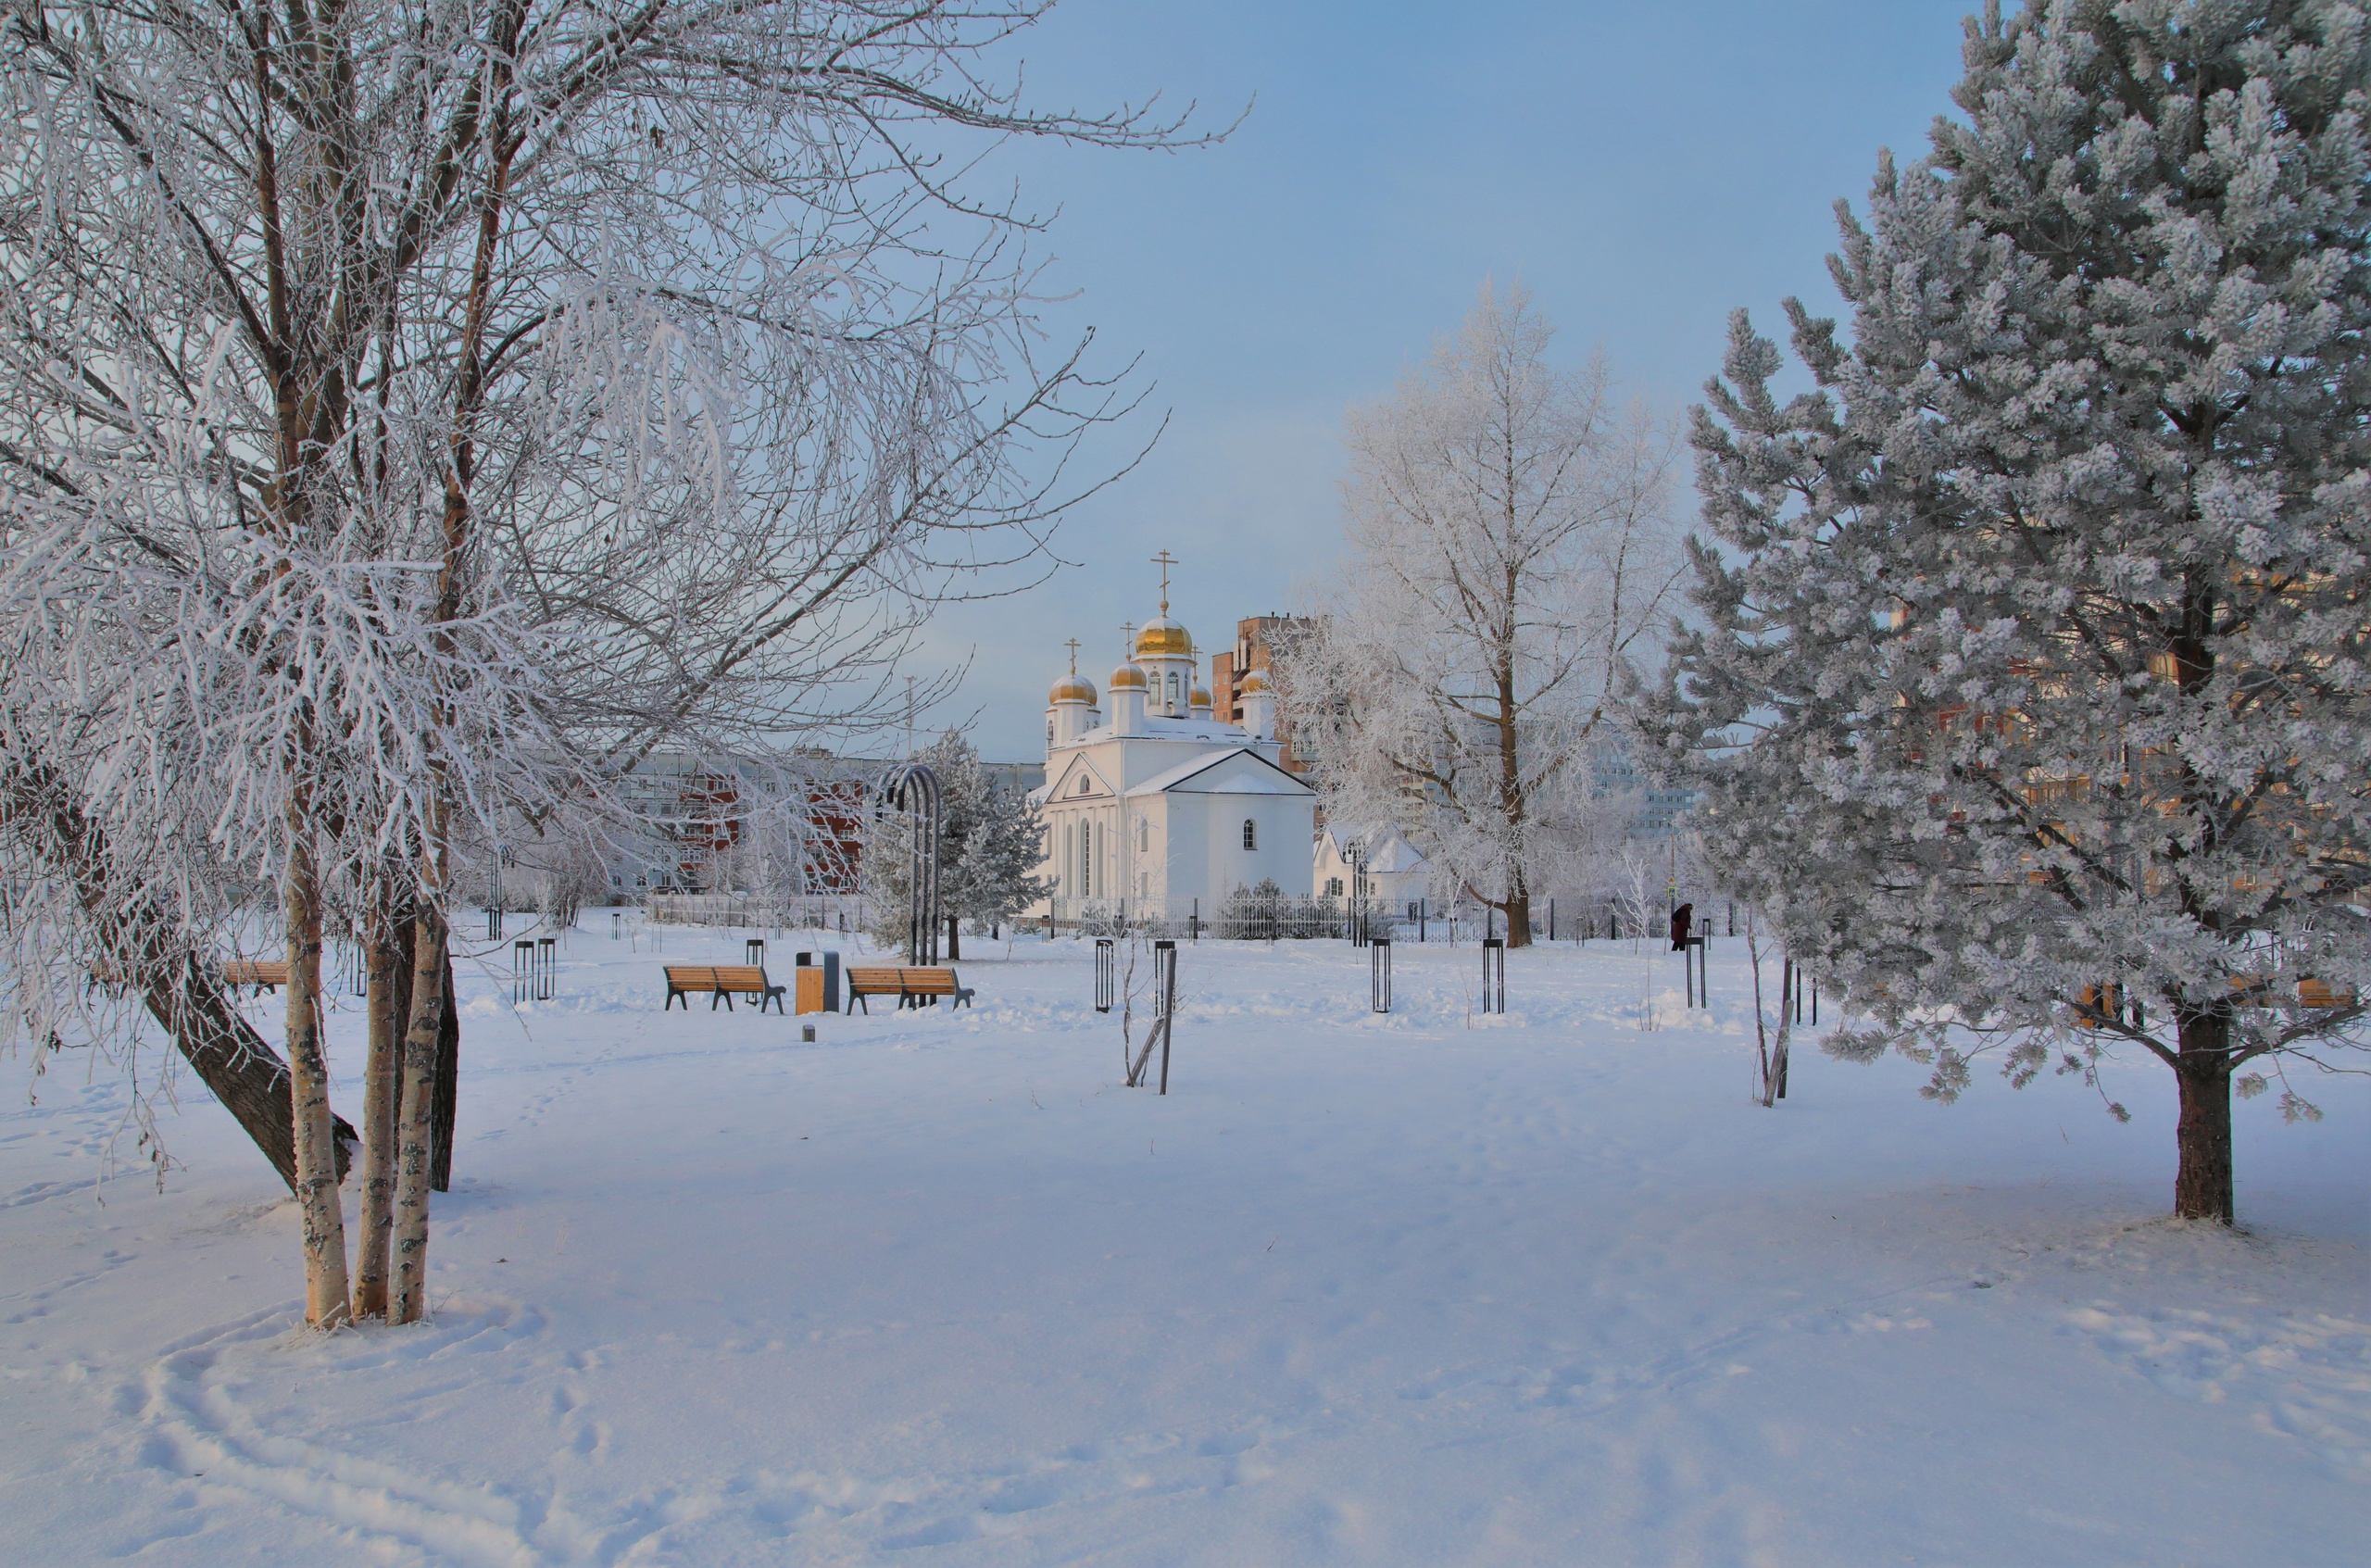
x=1050, y=732
x=1250, y=834
x=1144, y=835
x=1173, y=690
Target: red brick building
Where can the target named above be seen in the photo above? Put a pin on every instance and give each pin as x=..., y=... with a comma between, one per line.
x=1257, y=642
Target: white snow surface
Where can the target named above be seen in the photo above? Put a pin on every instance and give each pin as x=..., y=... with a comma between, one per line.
x=1424, y=1289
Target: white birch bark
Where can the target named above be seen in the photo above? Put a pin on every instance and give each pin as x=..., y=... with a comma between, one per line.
x=327, y=1303
x=410, y=1298
x=382, y=1099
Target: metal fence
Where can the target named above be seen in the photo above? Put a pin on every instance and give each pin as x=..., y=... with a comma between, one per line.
x=1252, y=917
x=823, y=911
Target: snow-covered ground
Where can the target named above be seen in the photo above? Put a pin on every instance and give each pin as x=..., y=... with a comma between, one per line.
x=1424, y=1289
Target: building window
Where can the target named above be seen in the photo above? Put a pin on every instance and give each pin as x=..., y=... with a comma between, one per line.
x=1333, y=887
x=1050, y=732
x=616, y=880
x=1173, y=703
x=1250, y=834
x=1144, y=835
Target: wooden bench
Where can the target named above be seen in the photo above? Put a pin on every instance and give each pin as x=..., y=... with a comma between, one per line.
x=910, y=986
x=2313, y=992
x=264, y=974
x=721, y=980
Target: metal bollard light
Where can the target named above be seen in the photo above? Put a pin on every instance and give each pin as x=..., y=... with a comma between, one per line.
x=1379, y=974
x=1106, y=978
x=1164, y=979
x=1494, y=971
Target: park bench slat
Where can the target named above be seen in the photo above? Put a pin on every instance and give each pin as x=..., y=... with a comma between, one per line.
x=264, y=974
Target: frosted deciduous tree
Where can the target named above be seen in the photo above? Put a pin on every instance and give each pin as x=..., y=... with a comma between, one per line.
x=414, y=415
x=2032, y=704
x=1509, y=554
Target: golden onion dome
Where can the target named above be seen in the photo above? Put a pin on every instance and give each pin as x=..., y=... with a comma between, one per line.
x=1126, y=678
x=1162, y=635
x=1255, y=681
x=1073, y=687
x=1201, y=697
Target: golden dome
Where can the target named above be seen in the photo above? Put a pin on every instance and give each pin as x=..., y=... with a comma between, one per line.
x=1255, y=681
x=1128, y=677
x=1162, y=635
x=1201, y=697
x=1073, y=687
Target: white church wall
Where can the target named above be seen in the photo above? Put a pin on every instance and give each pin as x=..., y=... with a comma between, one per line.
x=1281, y=851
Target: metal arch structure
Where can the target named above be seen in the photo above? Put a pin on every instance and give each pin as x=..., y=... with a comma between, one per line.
x=912, y=788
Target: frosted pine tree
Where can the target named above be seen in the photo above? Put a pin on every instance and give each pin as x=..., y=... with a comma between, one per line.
x=990, y=843
x=994, y=875
x=2040, y=619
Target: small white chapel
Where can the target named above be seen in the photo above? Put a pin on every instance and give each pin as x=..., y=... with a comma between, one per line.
x=1152, y=805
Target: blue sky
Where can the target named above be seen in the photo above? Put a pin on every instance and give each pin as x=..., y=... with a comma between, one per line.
x=1644, y=169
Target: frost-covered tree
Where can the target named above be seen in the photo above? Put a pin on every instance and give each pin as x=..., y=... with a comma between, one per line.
x=1509, y=553
x=414, y=414
x=990, y=843
x=2038, y=626
x=993, y=875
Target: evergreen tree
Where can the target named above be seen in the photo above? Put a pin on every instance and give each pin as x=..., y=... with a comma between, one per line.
x=2031, y=695
x=990, y=841
x=992, y=877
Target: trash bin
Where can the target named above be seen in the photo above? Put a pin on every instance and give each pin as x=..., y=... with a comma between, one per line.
x=819, y=983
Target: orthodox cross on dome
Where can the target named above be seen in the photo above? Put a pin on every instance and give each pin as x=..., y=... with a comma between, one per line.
x=1072, y=645
x=1164, y=560
x=1127, y=641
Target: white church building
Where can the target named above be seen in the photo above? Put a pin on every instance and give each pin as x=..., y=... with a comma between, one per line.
x=1151, y=806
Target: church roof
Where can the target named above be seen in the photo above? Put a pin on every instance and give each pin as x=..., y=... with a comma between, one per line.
x=1388, y=851
x=1265, y=778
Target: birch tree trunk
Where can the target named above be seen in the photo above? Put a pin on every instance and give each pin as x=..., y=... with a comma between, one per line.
x=327, y=1303
x=381, y=1091
x=415, y=1127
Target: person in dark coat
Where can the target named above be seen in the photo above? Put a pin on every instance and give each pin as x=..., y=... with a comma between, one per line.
x=1681, y=918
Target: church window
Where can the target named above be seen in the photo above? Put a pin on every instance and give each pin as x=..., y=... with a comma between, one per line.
x=1173, y=690
x=1333, y=887
x=1250, y=834
x=1083, y=785
x=1144, y=835
x=1050, y=732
